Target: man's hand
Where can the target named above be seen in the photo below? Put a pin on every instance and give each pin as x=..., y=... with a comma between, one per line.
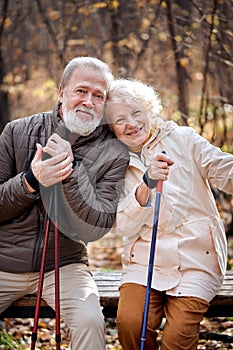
x=53, y=170
x=56, y=145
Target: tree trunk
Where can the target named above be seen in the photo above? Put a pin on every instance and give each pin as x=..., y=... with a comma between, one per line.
x=180, y=69
x=4, y=110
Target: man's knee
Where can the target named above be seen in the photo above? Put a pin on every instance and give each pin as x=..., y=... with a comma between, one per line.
x=84, y=314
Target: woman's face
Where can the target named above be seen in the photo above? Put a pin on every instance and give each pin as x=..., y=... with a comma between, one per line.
x=130, y=124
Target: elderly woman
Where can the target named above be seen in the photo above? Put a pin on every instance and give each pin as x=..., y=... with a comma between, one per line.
x=190, y=257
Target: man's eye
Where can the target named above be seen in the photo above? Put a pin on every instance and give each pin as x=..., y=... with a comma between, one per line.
x=99, y=97
x=81, y=91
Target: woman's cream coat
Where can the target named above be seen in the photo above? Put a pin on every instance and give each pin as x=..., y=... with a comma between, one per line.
x=191, y=249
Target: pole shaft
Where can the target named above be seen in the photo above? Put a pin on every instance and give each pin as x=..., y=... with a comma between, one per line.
x=56, y=262
x=40, y=286
x=159, y=188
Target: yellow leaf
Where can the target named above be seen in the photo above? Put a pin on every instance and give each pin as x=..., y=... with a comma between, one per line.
x=208, y=18
x=49, y=84
x=184, y=61
x=74, y=42
x=163, y=36
x=84, y=10
x=99, y=5
x=216, y=20
x=145, y=24
x=53, y=15
x=196, y=25
x=213, y=38
x=132, y=42
x=113, y=4
x=164, y=4
x=178, y=38
x=8, y=22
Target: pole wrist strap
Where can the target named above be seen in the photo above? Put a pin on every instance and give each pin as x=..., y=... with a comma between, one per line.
x=151, y=183
x=33, y=182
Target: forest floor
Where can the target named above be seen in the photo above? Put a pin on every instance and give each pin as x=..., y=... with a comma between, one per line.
x=103, y=255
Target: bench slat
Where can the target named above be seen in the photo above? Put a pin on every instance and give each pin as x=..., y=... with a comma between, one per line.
x=108, y=284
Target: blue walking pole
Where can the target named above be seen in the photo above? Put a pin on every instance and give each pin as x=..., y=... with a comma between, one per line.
x=159, y=188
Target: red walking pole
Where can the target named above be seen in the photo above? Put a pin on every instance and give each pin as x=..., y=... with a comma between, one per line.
x=56, y=261
x=42, y=269
x=41, y=281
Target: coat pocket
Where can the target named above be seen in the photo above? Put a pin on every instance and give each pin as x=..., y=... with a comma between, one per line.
x=197, y=247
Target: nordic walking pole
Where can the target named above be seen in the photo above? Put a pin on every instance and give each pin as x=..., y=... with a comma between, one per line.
x=56, y=262
x=42, y=269
x=159, y=188
x=41, y=281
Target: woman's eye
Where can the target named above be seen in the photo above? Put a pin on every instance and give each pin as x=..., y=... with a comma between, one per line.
x=119, y=121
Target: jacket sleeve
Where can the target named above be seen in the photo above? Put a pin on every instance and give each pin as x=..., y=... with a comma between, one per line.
x=214, y=164
x=132, y=219
x=12, y=190
x=88, y=198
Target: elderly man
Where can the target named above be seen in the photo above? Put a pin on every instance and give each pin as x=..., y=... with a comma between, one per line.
x=72, y=149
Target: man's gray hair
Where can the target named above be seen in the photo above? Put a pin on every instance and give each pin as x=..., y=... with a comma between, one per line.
x=86, y=62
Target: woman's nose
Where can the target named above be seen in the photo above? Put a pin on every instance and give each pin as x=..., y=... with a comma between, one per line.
x=131, y=122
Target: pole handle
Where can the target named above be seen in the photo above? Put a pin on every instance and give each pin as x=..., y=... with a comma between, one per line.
x=159, y=186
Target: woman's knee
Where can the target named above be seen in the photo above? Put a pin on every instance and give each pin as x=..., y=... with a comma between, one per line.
x=128, y=322
x=176, y=338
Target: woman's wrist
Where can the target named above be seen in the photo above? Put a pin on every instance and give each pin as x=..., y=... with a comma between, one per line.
x=142, y=194
x=151, y=183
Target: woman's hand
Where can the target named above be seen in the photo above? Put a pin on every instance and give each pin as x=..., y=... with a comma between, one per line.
x=159, y=167
x=158, y=170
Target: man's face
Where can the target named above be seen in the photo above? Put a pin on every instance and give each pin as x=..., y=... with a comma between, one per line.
x=83, y=101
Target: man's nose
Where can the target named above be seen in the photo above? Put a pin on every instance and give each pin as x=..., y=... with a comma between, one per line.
x=88, y=100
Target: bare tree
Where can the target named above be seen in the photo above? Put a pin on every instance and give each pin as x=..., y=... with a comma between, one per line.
x=181, y=72
x=168, y=44
x=4, y=103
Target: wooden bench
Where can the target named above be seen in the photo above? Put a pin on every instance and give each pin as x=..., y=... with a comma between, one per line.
x=108, y=283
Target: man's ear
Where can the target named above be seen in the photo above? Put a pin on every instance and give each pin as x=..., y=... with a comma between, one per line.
x=60, y=94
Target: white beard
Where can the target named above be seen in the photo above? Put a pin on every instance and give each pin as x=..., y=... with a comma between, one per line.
x=75, y=124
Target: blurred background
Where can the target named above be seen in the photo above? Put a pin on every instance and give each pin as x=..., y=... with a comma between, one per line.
x=183, y=48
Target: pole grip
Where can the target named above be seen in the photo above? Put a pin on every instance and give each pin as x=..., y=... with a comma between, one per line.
x=159, y=186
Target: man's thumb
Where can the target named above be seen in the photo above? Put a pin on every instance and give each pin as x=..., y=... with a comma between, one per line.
x=39, y=152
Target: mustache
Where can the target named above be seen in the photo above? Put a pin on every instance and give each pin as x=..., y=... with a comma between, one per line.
x=86, y=110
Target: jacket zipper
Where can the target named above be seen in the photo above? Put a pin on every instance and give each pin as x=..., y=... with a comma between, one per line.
x=37, y=255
